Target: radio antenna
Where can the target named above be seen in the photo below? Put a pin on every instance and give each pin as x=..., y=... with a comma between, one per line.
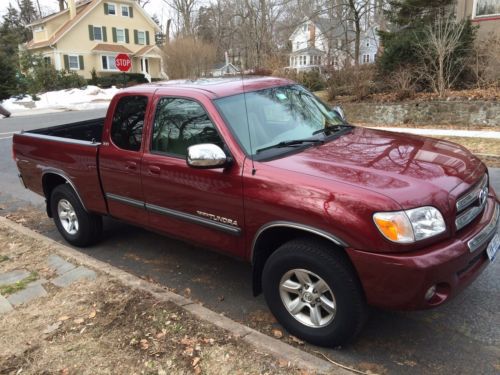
x=247, y=118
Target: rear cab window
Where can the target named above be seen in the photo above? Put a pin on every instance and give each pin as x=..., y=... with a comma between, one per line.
x=128, y=122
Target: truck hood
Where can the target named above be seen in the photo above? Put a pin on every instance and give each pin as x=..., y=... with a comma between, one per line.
x=408, y=168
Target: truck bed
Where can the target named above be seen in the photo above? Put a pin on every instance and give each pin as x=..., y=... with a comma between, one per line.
x=89, y=130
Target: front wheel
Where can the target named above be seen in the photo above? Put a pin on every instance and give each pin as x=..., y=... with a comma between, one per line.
x=76, y=225
x=314, y=292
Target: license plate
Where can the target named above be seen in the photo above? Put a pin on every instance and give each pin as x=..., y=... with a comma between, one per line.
x=492, y=248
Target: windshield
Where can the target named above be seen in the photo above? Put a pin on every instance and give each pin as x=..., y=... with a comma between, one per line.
x=277, y=117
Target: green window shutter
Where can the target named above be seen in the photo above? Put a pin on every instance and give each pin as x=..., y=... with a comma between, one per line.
x=147, y=38
x=106, y=9
x=131, y=12
x=66, y=62
x=104, y=35
x=113, y=31
x=126, y=36
x=91, y=32
x=136, y=37
x=80, y=61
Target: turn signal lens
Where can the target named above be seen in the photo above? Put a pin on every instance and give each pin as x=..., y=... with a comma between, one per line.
x=410, y=225
x=395, y=226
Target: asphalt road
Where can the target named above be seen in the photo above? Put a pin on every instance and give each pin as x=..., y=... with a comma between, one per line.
x=461, y=337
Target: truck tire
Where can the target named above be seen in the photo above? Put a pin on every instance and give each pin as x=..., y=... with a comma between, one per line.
x=314, y=292
x=76, y=225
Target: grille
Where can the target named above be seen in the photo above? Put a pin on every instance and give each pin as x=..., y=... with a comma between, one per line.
x=472, y=203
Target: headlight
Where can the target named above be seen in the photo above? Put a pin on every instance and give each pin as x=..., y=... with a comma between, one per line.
x=410, y=225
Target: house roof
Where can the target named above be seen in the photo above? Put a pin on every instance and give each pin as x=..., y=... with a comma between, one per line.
x=308, y=51
x=83, y=10
x=111, y=48
x=221, y=66
x=84, y=7
x=146, y=50
x=56, y=14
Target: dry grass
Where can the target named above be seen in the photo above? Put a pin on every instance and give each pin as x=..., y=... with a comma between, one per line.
x=104, y=327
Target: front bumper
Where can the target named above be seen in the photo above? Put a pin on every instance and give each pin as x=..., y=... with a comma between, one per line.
x=400, y=281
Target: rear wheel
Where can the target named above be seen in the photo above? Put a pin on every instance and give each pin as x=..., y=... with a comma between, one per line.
x=314, y=292
x=76, y=225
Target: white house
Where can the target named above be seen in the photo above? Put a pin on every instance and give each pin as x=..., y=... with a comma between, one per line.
x=320, y=42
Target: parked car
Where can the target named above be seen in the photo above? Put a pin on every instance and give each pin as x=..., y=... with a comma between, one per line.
x=332, y=217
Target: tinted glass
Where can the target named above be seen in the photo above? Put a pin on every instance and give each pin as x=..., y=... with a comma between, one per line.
x=274, y=115
x=128, y=122
x=180, y=123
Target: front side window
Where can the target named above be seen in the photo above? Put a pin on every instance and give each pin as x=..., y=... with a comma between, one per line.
x=108, y=63
x=277, y=115
x=112, y=9
x=128, y=122
x=487, y=8
x=73, y=62
x=180, y=123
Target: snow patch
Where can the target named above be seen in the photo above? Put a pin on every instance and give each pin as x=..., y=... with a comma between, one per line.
x=90, y=97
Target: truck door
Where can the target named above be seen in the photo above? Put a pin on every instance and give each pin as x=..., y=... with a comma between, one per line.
x=120, y=159
x=202, y=205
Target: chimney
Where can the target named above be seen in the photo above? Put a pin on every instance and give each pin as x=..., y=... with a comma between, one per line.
x=312, y=35
x=61, y=5
x=72, y=9
x=226, y=55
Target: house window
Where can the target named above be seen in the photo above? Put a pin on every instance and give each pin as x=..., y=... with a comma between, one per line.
x=112, y=9
x=97, y=33
x=108, y=62
x=304, y=28
x=73, y=62
x=297, y=46
x=484, y=8
x=125, y=11
x=120, y=35
x=366, y=58
x=46, y=60
x=319, y=60
x=141, y=37
x=37, y=29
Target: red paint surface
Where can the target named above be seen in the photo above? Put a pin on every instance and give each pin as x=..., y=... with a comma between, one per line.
x=123, y=62
x=335, y=187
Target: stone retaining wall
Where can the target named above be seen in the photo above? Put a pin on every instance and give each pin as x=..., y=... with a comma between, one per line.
x=479, y=113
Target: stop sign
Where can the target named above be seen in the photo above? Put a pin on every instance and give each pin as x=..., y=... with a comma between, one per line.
x=122, y=62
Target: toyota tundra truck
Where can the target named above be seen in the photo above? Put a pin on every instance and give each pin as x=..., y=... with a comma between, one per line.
x=332, y=217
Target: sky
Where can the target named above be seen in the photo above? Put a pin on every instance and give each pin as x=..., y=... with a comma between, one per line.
x=157, y=7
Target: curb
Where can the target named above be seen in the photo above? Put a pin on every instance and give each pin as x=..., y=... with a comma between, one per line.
x=258, y=340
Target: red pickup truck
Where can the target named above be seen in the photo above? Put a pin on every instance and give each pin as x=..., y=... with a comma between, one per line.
x=332, y=217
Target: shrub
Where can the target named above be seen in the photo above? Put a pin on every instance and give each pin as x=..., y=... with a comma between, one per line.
x=118, y=80
x=485, y=64
x=359, y=82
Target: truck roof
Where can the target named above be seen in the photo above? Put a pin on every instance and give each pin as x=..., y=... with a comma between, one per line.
x=218, y=87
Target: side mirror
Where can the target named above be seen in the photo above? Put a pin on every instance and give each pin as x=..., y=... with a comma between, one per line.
x=340, y=112
x=206, y=156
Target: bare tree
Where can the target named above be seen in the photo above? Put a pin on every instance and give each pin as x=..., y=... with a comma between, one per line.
x=185, y=11
x=186, y=57
x=439, y=44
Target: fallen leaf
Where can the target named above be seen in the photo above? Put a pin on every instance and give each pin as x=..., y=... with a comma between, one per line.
x=65, y=371
x=63, y=318
x=283, y=363
x=277, y=333
x=197, y=370
x=51, y=328
x=196, y=360
x=160, y=335
x=188, y=351
x=79, y=321
x=187, y=292
x=92, y=314
x=296, y=340
x=187, y=341
x=144, y=344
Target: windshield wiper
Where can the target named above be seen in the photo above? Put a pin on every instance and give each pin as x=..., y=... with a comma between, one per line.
x=331, y=129
x=293, y=142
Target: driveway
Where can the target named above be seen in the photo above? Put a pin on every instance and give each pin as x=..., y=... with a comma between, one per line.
x=462, y=336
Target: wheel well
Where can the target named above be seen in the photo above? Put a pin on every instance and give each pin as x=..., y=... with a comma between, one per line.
x=49, y=182
x=270, y=240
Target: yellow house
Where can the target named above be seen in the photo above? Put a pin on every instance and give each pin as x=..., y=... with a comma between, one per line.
x=90, y=33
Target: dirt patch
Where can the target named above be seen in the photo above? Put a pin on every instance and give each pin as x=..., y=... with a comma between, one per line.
x=103, y=326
